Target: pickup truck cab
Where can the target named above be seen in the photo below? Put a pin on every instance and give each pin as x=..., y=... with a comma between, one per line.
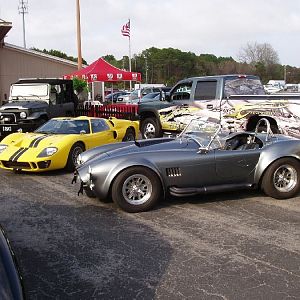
x=238, y=101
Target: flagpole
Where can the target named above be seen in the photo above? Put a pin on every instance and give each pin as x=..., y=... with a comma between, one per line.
x=130, y=83
x=79, y=59
x=126, y=32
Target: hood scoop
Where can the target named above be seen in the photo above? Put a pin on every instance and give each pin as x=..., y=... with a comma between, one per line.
x=145, y=143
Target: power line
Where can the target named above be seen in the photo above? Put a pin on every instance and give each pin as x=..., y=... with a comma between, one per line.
x=23, y=9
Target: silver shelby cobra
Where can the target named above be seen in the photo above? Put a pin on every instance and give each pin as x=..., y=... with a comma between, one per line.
x=200, y=160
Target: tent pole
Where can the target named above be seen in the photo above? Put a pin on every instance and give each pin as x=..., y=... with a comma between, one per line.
x=102, y=89
x=112, y=93
x=93, y=91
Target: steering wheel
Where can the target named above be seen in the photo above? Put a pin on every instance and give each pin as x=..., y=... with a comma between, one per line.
x=259, y=125
x=72, y=131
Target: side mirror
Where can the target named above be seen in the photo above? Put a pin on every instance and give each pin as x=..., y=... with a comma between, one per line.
x=167, y=98
x=82, y=132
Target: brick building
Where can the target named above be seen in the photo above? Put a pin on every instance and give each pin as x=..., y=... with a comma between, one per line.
x=17, y=62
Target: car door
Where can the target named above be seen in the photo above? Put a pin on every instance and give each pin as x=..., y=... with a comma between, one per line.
x=236, y=166
x=101, y=133
x=194, y=169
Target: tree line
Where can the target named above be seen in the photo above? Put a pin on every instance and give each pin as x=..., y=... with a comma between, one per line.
x=169, y=65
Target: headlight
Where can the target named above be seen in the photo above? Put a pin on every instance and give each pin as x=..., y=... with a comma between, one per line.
x=2, y=147
x=23, y=115
x=48, y=152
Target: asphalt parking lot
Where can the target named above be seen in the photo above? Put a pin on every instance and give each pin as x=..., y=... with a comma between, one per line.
x=225, y=246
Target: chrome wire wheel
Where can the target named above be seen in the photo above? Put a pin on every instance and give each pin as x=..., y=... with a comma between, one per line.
x=285, y=178
x=149, y=132
x=137, y=189
x=75, y=153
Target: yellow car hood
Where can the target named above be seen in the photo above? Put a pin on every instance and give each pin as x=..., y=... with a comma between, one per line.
x=36, y=140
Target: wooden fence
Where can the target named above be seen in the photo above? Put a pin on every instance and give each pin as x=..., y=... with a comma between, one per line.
x=119, y=111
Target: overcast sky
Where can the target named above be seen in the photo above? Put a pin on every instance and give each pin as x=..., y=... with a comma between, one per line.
x=219, y=27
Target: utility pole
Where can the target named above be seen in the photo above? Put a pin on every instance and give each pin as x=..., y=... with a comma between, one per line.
x=284, y=74
x=23, y=9
x=146, y=66
x=79, y=59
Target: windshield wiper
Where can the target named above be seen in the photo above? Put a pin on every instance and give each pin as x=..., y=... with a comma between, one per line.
x=33, y=95
x=43, y=132
x=17, y=97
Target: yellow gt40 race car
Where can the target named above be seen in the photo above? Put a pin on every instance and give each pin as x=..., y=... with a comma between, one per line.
x=57, y=143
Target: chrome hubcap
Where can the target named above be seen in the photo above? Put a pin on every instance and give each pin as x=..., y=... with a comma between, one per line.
x=285, y=178
x=137, y=189
x=149, y=131
x=76, y=152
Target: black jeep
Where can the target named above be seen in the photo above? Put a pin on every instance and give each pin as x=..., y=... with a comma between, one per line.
x=32, y=102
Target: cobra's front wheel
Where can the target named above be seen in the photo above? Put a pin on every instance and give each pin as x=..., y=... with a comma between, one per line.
x=136, y=189
x=282, y=179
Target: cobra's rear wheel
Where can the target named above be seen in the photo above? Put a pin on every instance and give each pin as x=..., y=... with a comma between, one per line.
x=136, y=189
x=282, y=179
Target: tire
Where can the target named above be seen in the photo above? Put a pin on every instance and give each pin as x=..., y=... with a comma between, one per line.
x=282, y=179
x=136, y=189
x=129, y=135
x=150, y=128
x=274, y=129
x=76, y=149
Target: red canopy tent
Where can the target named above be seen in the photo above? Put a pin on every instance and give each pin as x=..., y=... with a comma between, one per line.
x=101, y=70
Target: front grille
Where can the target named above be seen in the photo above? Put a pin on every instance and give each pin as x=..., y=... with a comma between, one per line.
x=173, y=172
x=8, y=118
x=16, y=164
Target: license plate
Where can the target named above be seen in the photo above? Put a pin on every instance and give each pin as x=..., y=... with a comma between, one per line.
x=6, y=128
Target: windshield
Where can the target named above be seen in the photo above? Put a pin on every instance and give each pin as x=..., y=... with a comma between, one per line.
x=243, y=86
x=151, y=95
x=64, y=126
x=206, y=134
x=29, y=90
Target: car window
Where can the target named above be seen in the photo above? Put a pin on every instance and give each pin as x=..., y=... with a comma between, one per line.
x=206, y=90
x=243, y=86
x=182, y=91
x=65, y=126
x=61, y=90
x=99, y=125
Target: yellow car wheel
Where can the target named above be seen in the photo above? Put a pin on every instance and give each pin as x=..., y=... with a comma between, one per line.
x=129, y=135
x=76, y=149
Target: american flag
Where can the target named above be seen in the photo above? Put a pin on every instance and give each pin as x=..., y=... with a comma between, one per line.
x=126, y=29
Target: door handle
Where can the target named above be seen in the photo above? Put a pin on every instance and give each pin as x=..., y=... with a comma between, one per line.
x=243, y=163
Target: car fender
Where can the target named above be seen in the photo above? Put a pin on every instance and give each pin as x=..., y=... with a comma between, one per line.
x=108, y=172
x=37, y=115
x=12, y=138
x=273, y=153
